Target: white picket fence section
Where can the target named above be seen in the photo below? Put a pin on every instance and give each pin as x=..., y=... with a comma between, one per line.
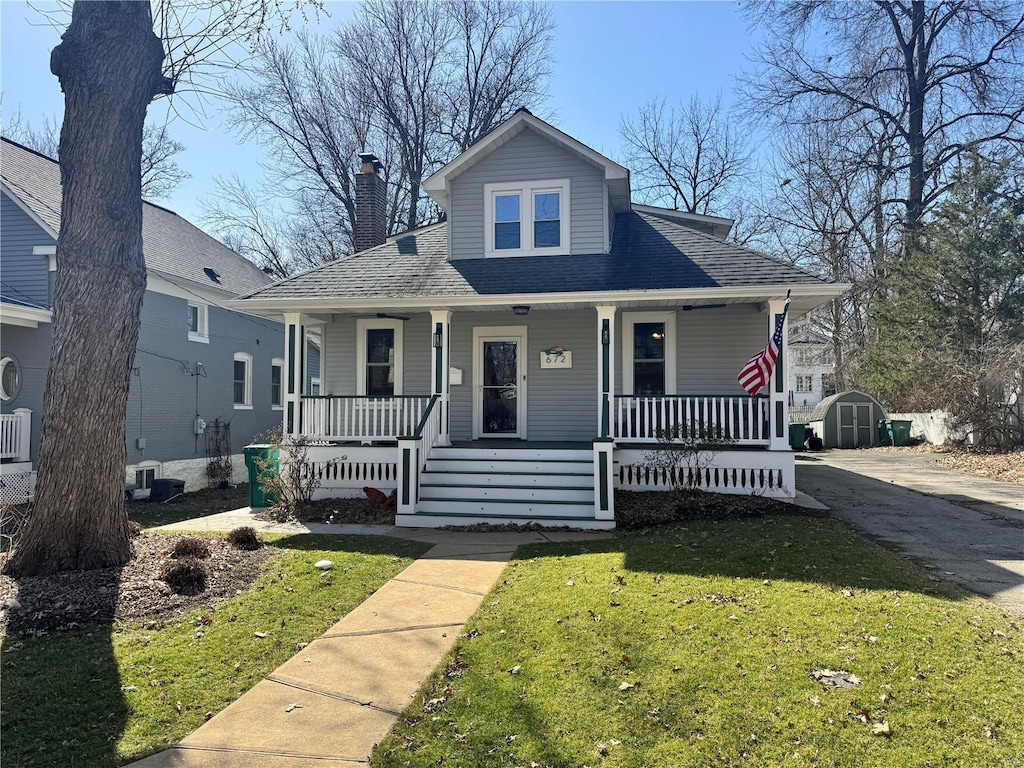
x=16, y=434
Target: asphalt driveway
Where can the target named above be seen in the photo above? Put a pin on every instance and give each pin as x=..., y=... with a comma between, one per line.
x=966, y=529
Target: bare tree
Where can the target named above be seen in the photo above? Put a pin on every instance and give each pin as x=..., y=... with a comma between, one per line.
x=161, y=173
x=111, y=65
x=938, y=78
x=415, y=83
x=691, y=157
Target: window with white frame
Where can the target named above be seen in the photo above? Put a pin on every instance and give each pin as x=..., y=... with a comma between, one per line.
x=527, y=218
x=242, y=380
x=649, y=353
x=314, y=385
x=804, y=383
x=379, y=357
x=277, y=383
x=145, y=473
x=198, y=322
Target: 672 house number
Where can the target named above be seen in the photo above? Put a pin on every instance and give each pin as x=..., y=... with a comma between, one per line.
x=556, y=358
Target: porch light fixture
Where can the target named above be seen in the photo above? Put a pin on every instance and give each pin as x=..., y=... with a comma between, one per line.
x=606, y=335
x=520, y=309
x=437, y=336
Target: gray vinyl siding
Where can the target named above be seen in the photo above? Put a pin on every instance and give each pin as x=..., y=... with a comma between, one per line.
x=339, y=370
x=711, y=347
x=561, y=403
x=527, y=157
x=162, y=397
x=26, y=276
x=31, y=348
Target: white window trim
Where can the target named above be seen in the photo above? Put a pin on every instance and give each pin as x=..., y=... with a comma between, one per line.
x=314, y=381
x=203, y=335
x=629, y=319
x=246, y=358
x=526, y=190
x=5, y=396
x=277, y=362
x=372, y=324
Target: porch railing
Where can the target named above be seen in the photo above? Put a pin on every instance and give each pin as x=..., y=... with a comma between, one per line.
x=15, y=434
x=354, y=417
x=738, y=419
x=413, y=452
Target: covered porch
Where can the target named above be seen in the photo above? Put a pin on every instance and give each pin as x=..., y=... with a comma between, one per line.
x=402, y=386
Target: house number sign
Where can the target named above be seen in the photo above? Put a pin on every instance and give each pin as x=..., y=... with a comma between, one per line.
x=556, y=357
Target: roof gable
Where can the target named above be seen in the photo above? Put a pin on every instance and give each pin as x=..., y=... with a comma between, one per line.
x=436, y=185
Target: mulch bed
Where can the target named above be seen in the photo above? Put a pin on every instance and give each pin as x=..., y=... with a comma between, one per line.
x=355, y=511
x=70, y=601
x=644, y=509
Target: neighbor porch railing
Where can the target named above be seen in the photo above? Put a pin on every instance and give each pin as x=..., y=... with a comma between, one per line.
x=354, y=417
x=738, y=419
x=413, y=451
x=16, y=434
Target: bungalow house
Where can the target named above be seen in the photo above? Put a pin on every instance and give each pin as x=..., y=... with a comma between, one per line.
x=198, y=366
x=518, y=361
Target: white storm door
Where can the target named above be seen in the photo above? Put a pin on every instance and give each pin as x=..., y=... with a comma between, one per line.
x=499, y=382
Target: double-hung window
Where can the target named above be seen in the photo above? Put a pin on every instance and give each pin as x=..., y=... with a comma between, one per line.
x=276, y=383
x=242, y=381
x=649, y=359
x=379, y=357
x=804, y=383
x=198, y=322
x=527, y=218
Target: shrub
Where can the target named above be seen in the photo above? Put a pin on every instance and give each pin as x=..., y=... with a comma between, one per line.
x=190, y=546
x=185, y=577
x=245, y=538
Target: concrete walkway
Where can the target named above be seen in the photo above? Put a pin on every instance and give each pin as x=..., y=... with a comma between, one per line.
x=336, y=699
x=967, y=529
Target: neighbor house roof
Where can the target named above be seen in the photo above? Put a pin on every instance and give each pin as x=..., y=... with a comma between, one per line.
x=649, y=253
x=172, y=246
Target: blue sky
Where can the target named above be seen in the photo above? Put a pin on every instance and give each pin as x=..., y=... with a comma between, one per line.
x=609, y=57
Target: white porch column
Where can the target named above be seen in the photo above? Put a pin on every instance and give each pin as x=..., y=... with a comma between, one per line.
x=778, y=406
x=294, y=373
x=440, y=336
x=24, y=433
x=605, y=370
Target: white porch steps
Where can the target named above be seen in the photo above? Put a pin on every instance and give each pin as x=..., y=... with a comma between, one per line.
x=463, y=486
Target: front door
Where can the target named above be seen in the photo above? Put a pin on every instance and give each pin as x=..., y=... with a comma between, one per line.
x=499, y=382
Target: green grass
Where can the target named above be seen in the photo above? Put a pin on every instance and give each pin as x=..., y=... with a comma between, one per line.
x=716, y=626
x=106, y=696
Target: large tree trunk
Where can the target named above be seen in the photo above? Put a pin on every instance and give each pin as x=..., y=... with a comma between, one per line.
x=108, y=64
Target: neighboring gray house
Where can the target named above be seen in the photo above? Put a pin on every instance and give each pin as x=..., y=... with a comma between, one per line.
x=517, y=360
x=197, y=363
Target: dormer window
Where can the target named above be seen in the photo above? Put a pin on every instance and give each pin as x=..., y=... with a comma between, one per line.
x=527, y=218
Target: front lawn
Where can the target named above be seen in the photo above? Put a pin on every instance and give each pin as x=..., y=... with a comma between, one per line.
x=108, y=695
x=694, y=645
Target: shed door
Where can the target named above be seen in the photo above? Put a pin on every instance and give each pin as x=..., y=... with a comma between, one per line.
x=855, y=425
x=847, y=425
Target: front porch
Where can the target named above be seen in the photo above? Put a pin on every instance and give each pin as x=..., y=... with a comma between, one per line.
x=464, y=412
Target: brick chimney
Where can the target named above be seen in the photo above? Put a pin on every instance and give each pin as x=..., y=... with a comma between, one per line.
x=370, y=229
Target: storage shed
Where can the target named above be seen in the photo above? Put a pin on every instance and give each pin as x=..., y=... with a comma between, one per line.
x=848, y=420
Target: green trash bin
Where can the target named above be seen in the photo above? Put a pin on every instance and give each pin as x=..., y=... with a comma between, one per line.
x=259, y=495
x=797, y=436
x=883, y=433
x=899, y=431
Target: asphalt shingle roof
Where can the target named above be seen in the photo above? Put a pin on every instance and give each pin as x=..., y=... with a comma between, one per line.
x=171, y=244
x=648, y=253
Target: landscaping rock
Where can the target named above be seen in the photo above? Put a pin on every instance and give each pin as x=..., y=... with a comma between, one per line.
x=324, y=565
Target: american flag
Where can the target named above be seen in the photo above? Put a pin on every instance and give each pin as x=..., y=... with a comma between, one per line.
x=758, y=370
